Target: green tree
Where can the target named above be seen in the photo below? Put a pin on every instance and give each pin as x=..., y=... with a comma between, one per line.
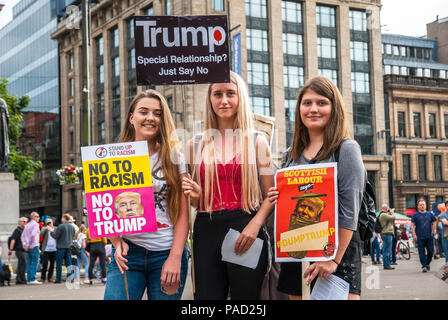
x=22, y=166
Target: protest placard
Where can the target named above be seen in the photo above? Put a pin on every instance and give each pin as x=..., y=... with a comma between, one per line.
x=306, y=213
x=181, y=50
x=118, y=188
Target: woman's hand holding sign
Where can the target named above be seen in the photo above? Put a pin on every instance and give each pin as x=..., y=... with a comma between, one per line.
x=322, y=269
x=121, y=250
x=273, y=195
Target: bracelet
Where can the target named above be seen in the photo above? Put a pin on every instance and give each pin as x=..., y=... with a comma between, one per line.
x=335, y=262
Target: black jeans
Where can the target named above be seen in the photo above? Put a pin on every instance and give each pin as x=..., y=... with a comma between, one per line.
x=97, y=250
x=48, y=257
x=214, y=277
x=21, y=267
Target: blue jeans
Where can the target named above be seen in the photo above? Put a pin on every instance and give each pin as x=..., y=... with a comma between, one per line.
x=376, y=250
x=394, y=250
x=445, y=247
x=427, y=243
x=32, y=261
x=387, y=249
x=62, y=254
x=145, y=268
x=82, y=258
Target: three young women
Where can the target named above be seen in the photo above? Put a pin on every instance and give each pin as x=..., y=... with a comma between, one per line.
x=320, y=131
x=155, y=262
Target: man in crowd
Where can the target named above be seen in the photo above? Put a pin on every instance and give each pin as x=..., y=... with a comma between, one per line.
x=30, y=242
x=64, y=238
x=423, y=225
x=387, y=220
x=16, y=245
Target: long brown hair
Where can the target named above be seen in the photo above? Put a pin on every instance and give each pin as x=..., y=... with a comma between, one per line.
x=336, y=130
x=168, y=143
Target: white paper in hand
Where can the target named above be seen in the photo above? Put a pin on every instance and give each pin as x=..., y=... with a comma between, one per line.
x=331, y=288
x=248, y=259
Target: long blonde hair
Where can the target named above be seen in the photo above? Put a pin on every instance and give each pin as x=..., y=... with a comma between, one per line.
x=336, y=130
x=168, y=143
x=250, y=189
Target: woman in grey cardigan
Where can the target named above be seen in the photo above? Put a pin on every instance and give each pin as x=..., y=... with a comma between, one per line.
x=320, y=130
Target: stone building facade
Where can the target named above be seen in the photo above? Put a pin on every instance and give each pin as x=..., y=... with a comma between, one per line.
x=338, y=39
x=416, y=95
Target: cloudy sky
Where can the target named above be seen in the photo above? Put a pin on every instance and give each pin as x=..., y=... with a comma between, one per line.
x=406, y=17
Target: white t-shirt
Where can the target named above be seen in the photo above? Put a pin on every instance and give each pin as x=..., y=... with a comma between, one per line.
x=162, y=239
x=80, y=239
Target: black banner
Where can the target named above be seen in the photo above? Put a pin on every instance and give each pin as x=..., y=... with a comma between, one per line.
x=181, y=50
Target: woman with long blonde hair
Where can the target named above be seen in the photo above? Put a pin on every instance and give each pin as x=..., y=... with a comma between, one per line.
x=231, y=173
x=155, y=262
x=321, y=135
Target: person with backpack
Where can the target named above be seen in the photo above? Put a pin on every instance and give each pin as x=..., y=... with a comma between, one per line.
x=321, y=130
x=64, y=238
x=15, y=244
x=49, y=251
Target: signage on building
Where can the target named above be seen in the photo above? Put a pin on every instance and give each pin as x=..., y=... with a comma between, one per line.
x=236, y=46
x=181, y=50
x=306, y=213
x=118, y=188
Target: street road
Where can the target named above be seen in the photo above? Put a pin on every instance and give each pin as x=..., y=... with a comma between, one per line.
x=406, y=282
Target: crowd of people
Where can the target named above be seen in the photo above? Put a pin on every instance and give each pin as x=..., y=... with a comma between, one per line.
x=229, y=179
x=428, y=231
x=39, y=244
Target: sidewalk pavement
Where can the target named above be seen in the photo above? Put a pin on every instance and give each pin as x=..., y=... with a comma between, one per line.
x=406, y=282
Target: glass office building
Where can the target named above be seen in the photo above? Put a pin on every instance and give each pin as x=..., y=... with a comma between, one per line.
x=29, y=61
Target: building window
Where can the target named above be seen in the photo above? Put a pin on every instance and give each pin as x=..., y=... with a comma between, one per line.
x=72, y=142
x=359, y=51
x=117, y=66
x=403, y=51
x=417, y=126
x=257, y=40
x=258, y=73
x=438, y=168
x=292, y=11
x=218, y=5
x=445, y=116
x=404, y=71
x=432, y=125
x=115, y=38
x=168, y=7
x=292, y=44
x=74, y=200
x=131, y=28
x=358, y=20
x=360, y=82
x=387, y=69
x=101, y=132
x=70, y=61
x=325, y=16
x=100, y=46
x=388, y=49
x=149, y=11
x=100, y=103
x=72, y=87
x=293, y=77
x=290, y=109
x=401, y=124
x=261, y=105
x=72, y=114
x=421, y=167
x=100, y=70
x=406, y=167
x=256, y=8
x=326, y=48
x=131, y=57
x=330, y=74
x=411, y=201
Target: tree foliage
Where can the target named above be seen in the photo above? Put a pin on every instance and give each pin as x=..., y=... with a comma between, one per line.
x=22, y=166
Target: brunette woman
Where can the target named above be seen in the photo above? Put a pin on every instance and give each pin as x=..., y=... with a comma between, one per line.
x=321, y=130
